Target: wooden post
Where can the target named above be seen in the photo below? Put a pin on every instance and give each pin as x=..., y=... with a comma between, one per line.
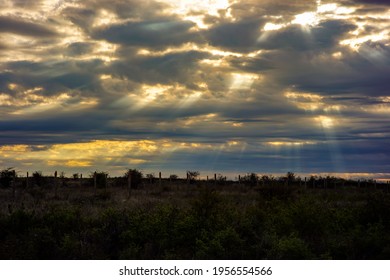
x=94, y=182
x=13, y=184
x=305, y=183
x=27, y=180
x=215, y=179
x=239, y=179
x=81, y=175
x=55, y=184
x=129, y=184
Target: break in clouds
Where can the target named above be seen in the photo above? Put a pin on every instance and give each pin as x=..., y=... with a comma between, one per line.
x=212, y=85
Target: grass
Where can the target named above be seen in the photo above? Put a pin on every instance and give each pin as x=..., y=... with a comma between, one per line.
x=176, y=220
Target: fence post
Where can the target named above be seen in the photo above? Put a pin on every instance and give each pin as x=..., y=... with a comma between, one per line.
x=215, y=179
x=129, y=184
x=159, y=179
x=94, y=182
x=13, y=184
x=239, y=179
x=27, y=180
x=55, y=184
x=305, y=183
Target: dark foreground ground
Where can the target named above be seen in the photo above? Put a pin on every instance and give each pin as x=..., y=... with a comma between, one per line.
x=174, y=220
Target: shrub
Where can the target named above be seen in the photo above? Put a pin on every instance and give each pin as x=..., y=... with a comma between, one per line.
x=136, y=177
x=250, y=179
x=6, y=177
x=192, y=176
x=101, y=179
x=38, y=178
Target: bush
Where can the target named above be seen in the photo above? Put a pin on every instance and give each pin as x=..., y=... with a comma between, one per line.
x=7, y=177
x=136, y=177
x=38, y=178
x=192, y=176
x=250, y=179
x=101, y=179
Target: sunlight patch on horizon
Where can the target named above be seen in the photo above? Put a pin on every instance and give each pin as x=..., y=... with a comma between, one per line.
x=104, y=152
x=290, y=143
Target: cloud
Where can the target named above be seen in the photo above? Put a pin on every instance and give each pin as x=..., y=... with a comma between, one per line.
x=53, y=76
x=169, y=68
x=326, y=35
x=211, y=84
x=24, y=27
x=82, y=17
x=373, y=2
x=152, y=34
x=79, y=48
x=255, y=9
x=238, y=36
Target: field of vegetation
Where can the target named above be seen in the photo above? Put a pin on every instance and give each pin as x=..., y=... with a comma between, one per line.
x=254, y=218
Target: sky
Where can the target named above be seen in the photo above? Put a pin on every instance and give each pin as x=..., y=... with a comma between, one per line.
x=216, y=86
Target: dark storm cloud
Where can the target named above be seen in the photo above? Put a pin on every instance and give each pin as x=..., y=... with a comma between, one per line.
x=79, y=48
x=326, y=35
x=26, y=4
x=82, y=17
x=152, y=34
x=54, y=77
x=197, y=95
x=364, y=73
x=23, y=27
x=238, y=36
x=89, y=11
x=373, y=2
x=130, y=8
x=164, y=69
x=310, y=69
x=265, y=8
